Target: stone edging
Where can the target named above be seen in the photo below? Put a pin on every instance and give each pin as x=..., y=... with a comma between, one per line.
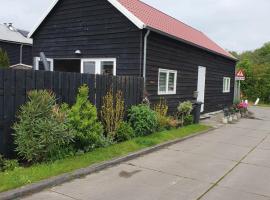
x=39, y=186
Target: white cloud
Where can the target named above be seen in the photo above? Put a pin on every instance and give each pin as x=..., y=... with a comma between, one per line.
x=234, y=24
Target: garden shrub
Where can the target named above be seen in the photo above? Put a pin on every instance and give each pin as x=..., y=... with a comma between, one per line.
x=161, y=110
x=39, y=133
x=2, y=160
x=10, y=165
x=112, y=112
x=143, y=120
x=4, y=60
x=83, y=119
x=124, y=132
x=188, y=120
x=184, y=109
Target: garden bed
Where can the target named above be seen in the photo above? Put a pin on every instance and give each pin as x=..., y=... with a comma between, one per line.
x=24, y=176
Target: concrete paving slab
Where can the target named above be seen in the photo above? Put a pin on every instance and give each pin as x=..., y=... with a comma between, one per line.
x=218, y=150
x=199, y=167
x=265, y=144
x=260, y=157
x=48, y=195
x=187, y=170
x=238, y=138
x=221, y=193
x=130, y=182
x=249, y=178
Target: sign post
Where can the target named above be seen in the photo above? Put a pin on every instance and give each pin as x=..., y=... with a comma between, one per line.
x=240, y=76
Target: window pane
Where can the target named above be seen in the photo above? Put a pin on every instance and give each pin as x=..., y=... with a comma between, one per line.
x=107, y=67
x=41, y=65
x=171, y=82
x=162, y=81
x=89, y=67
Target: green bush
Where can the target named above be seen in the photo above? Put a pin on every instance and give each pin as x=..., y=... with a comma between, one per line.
x=4, y=60
x=188, y=120
x=184, y=109
x=2, y=161
x=124, y=132
x=143, y=120
x=10, y=165
x=83, y=118
x=41, y=132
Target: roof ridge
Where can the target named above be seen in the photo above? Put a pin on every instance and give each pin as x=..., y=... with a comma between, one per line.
x=174, y=18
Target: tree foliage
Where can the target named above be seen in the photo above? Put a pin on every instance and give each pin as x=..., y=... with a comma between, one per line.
x=256, y=65
x=4, y=60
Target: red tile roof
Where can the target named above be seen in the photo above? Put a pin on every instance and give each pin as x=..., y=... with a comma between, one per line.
x=158, y=20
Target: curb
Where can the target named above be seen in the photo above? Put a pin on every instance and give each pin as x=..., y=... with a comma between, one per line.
x=39, y=186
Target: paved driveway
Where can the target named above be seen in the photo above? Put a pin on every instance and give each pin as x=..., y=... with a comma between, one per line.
x=231, y=163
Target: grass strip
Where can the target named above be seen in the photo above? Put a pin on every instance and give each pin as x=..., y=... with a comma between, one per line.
x=24, y=176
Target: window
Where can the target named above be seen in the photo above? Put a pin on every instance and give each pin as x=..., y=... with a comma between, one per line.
x=39, y=64
x=103, y=66
x=226, y=85
x=167, y=81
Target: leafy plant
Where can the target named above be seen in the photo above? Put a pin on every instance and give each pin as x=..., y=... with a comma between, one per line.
x=184, y=109
x=2, y=161
x=161, y=110
x=143, y=120
x=112, y=112
x=83, y=119
x=10, y=165
x=4, y=60
x=188, y=120
x=39, y=134
x=124, y=132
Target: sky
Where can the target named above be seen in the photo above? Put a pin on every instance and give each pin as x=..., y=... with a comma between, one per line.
x=236, y=25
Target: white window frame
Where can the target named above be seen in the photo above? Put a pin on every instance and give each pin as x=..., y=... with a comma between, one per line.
x=226, y=84
x=37, y=60
x=98, y=64
x=167, y=71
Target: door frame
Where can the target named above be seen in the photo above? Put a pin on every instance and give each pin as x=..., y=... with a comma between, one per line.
x=201, y=97
x=37, y=60
x=98, y=64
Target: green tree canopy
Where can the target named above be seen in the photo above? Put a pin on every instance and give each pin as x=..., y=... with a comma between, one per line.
x=256, y=65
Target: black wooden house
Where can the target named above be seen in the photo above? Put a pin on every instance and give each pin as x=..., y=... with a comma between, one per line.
x=15, y=42
x=131, y=38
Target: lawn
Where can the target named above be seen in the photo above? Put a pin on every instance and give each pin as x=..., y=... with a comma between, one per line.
x=23, y=176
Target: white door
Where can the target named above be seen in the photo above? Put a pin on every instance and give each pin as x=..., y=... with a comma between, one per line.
x=201, y=85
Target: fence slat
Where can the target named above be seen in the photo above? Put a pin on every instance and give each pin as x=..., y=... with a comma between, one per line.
x=15, y=84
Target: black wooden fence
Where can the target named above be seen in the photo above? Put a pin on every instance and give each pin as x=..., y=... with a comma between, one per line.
x=14, y=85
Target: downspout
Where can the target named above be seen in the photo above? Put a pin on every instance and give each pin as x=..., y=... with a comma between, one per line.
x=21, y=53
x=145, y=55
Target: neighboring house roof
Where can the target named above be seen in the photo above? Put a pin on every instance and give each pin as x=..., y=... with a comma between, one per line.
x=145, y=16
x=21, y=66
x=10, y=34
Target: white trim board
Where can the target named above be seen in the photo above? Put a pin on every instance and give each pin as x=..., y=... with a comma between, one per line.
x=135, y=20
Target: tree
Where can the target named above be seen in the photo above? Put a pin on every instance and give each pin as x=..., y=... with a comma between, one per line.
x=4, y=60
x=256, y=65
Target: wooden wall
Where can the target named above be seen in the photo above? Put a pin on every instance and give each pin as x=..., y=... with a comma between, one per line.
x=13, y=51
x=15, y=84
x=167, y=53
x=96, y=28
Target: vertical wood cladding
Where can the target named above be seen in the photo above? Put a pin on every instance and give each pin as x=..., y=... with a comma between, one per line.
x=96, y=28
x=167, y=53
x=13, y=51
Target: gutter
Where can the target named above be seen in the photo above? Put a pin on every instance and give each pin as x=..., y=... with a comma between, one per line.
x=21, y=52
x=144, y=55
